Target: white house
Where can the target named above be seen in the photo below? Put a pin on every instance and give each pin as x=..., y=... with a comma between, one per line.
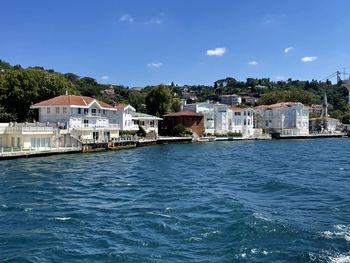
x=148, y=122
x=124, y=117
x=83, y=118
x=241, y=120
x=231, y=100
x=286, y=118
x=26, y=136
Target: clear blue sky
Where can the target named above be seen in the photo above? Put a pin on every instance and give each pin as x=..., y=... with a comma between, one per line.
x=136, y=43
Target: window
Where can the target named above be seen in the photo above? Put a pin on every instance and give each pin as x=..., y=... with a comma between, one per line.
x=245, y=113
x=48, y=110
x=93, y=112
x=86, y=123
x=57, y=110
x=64, y=110
x=245, y=122
x=104, y=112
x=86, y=111
x=79, y=110
x=237, y=114
x=248, y=113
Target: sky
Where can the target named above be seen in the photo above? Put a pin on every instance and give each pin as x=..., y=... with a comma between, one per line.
x=148, y=42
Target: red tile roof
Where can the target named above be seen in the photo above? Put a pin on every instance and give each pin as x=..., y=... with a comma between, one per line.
x=70, y=100
x=237, y=109
x=278, y=105
x=120, y=106
x=183, y=113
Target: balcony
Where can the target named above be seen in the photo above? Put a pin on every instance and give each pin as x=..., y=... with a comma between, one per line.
x=30, y=129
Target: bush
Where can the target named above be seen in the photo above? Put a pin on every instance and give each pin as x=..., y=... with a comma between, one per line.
x=179, y=130
x=234, y=134
x=141, y=132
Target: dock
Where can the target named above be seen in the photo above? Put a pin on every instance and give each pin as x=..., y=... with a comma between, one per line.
x=15, y=154
x=309, y=136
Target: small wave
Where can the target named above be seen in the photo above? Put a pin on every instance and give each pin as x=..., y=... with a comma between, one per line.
x=62, y=218
x=28, y=210
x=4, y=206
x=341, y=231
x=340, y=259
x=261, y=216
x=158, y=214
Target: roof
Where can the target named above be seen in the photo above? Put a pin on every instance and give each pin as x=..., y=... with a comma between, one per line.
x=120, y=106
x=238, y=109
x=278, y=105
x=144, y=116
x=70, y=100
x=325, y=118
x=184, y=113
x=230, y=95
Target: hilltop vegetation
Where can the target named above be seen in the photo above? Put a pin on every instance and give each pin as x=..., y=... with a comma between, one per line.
x=21, y=87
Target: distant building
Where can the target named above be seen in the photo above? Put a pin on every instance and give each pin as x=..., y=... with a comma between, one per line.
x=286, y=118
x=194, y=122
x=324, y=125
x=241, y=120
x=231, y=100
x=249, y=100
x=109, y=91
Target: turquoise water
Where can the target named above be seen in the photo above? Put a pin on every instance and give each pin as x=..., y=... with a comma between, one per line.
x=249, y=201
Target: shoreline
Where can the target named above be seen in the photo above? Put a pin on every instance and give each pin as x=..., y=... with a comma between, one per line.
x=102, y=147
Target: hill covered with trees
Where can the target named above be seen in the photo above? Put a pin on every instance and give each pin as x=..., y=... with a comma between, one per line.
x=21, y=87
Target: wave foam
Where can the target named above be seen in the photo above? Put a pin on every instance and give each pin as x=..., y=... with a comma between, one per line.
x=341, y=231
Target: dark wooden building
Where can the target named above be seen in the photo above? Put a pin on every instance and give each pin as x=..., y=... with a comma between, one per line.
x=194, y=122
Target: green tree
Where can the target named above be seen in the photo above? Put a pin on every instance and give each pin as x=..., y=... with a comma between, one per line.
x=137, y=100
x=20, y=88
x=158, y=100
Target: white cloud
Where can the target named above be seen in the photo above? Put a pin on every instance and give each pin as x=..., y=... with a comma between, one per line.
x=219, y=51
x=126, y=18
x=308, y=59
x=156, y=21
x=105, y=77
x=155, y=65
x=286, y=50
x=253, y=63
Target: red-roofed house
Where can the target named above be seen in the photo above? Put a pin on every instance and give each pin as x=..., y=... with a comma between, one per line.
x=83, y=117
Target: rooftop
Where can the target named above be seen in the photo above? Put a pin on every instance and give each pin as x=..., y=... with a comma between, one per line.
x=70, y=100
x=183, y=113
x=279, y=105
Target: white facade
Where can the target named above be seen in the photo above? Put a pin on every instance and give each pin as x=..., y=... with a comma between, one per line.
x=83, y=118
x=124, y=117
x=220, y=119
x=148, y=122
x=25, y=136
x=242, y=121
x=286, y=118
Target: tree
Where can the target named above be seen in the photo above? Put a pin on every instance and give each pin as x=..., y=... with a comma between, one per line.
x=20, y=88
x=137, y=100
x=176, y=105
x=158, y=100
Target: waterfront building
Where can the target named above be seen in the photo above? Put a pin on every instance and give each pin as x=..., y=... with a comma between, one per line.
x=25, y=136
x=148, y=122
x=124, y=117
x=80, y=117
x=241, y=120
x=194, y=122
x=216, y=116
x=285, y=118
x=231, y=100
x=324, y=125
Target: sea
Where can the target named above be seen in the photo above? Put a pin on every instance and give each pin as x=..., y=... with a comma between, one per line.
x=240, y=201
